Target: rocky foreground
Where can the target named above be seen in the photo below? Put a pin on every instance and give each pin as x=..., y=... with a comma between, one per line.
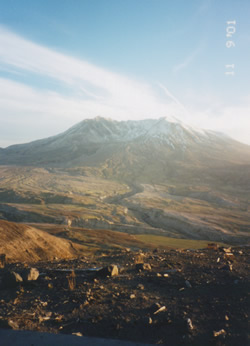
x=188, y=297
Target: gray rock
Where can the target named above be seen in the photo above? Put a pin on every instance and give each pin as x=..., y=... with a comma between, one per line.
x=188, y=284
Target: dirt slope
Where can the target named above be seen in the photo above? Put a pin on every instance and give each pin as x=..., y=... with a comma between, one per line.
x=24, y=243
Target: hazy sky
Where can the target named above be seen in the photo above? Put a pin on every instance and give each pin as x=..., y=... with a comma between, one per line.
x=62, y=61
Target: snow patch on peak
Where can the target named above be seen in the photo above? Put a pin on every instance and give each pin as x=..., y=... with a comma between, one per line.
x=168, y=130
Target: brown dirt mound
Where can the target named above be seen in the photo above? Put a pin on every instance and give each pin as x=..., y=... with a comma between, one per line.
x=25, y=243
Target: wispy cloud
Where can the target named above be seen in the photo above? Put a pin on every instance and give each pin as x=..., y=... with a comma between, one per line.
x=93, y=81
x=85, y=80
x=172, y=97
x=34, y=112
x=188, y=60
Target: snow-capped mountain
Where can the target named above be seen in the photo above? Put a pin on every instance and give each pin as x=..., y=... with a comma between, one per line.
x=102, y=130
x=151, y=147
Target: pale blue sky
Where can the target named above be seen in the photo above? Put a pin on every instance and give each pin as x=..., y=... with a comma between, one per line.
x=62, y=61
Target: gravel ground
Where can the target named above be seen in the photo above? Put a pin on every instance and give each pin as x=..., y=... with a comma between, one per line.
x=188, y=297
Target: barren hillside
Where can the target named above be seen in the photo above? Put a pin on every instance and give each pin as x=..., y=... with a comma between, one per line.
x=24, y=243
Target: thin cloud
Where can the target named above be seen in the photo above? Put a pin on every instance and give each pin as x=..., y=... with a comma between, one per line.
x=172, y=97
x=188, y=60
x=78, y=74
x=33, y=112
x=90, y=90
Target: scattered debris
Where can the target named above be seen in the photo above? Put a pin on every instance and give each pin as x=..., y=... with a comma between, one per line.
x=13, y=325
x=140, y=286
x=219, y=333
x=30, y=274
x=162, y=308
x=155, y=306
x=227, y=266
x=77, y=334
x=229, y=255
x=227, y=250
x=143, y=266
x=190, y=324
x=111, y=270
x=142, y=307
x=188, y=284
x=139, y=258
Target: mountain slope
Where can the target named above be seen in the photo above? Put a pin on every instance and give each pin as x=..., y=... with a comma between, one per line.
x=154, y=176
x=25, y=243
x=129, y=149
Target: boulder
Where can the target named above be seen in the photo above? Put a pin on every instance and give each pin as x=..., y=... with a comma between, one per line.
x=30, y=274
x=111, y=270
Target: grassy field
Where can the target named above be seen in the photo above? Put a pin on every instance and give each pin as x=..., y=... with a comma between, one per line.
x=99, y=240
x=166, y=242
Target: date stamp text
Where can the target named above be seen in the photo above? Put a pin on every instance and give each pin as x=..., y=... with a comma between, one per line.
x=230, y=44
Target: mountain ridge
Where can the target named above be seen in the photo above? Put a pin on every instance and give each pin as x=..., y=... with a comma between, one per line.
x=94, y=141
x=150, y=151
x=132, y=128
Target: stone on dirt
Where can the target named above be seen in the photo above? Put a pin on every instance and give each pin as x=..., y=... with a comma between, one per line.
x=155, y=307
x=111, y=270
x=161, y=309
x=30, y=274
x=227, y=250
x=13, y=325
x=190, y=324
x=140, y=286
x=188, y=284
x=143, y=266
x=221, y=332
